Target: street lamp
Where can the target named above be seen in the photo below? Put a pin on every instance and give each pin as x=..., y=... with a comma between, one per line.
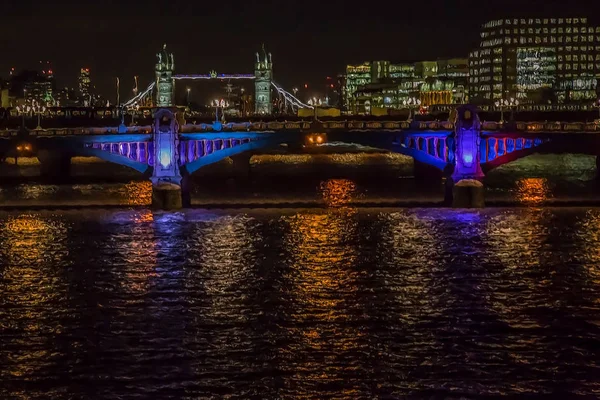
x=219, y=103
x=39, y=110
x=134, y=112
x=506, y=103
x=295, y=90
x=188, y=96
x=411, y=103
x=23, y=110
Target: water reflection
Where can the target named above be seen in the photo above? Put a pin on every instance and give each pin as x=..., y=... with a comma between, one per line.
x=334, y=303
x=323, y=280
x=532, y=191
x=338, y=192
x=34, y=294
x=138, y=193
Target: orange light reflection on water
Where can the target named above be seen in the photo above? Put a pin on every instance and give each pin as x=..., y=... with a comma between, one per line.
x=138, y=193
x=338, y=192
x=322, y=279
x=34, y=289
x=533, y=191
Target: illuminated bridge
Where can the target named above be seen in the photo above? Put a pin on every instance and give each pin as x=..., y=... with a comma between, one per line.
x=169, y=152
x=262, y=77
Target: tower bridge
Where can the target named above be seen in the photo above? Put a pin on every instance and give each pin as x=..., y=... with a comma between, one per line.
x=262, y=77
x=170, y=150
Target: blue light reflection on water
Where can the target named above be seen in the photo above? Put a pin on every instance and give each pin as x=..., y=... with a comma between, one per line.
x=343, y=302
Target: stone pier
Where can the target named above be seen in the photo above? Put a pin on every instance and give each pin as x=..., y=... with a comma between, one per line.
x=54, y=164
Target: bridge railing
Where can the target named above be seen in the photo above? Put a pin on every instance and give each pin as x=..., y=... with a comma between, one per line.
x=78, y=131
x=278, y=126
x=558, y=127
x=520, y=126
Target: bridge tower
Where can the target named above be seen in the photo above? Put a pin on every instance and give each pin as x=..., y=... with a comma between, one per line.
x=165, y=84
x=263, y=71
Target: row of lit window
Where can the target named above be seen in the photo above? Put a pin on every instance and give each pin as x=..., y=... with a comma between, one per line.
x=538, y=31
x=477, y=54
x=539, y=40
x=580, y=57
x=566, y=85
x=575, y=67
x=538, y=21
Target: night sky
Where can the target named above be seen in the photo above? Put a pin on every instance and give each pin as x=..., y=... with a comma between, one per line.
x=309, y=40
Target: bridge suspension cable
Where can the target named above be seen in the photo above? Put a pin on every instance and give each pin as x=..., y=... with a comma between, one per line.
x=290, y=98
x=140, y=96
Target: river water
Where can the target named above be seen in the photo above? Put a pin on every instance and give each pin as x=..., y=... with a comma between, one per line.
x=337, y=300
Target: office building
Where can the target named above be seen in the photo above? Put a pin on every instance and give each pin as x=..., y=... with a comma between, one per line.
x=536, y=60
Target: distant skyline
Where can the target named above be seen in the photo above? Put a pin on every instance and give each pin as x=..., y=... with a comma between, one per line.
x=308, y=42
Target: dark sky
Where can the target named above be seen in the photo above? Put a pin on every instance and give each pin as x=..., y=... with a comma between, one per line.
x=309, y=40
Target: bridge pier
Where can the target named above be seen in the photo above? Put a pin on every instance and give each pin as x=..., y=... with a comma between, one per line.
x=54, y=164
x=167, y=188
x=468, y=191
x=241, y=164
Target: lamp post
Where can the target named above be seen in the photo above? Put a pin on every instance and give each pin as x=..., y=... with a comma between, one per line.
x=222, y=104
x=39, y=110
x=134, y=112
x=23, y=110
x=295, y=90
x=188, y=96
x=411, y=103
x=511, y=104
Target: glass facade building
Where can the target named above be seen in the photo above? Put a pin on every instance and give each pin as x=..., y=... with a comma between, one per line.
x=536, y=60
x=382, y=84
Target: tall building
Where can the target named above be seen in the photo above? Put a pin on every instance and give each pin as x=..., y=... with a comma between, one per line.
x=356, y=76
x=536, y=60
x=32, y=86
x=84, y=84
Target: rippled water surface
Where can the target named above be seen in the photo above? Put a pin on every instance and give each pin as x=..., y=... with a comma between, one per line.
x=323, y=303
